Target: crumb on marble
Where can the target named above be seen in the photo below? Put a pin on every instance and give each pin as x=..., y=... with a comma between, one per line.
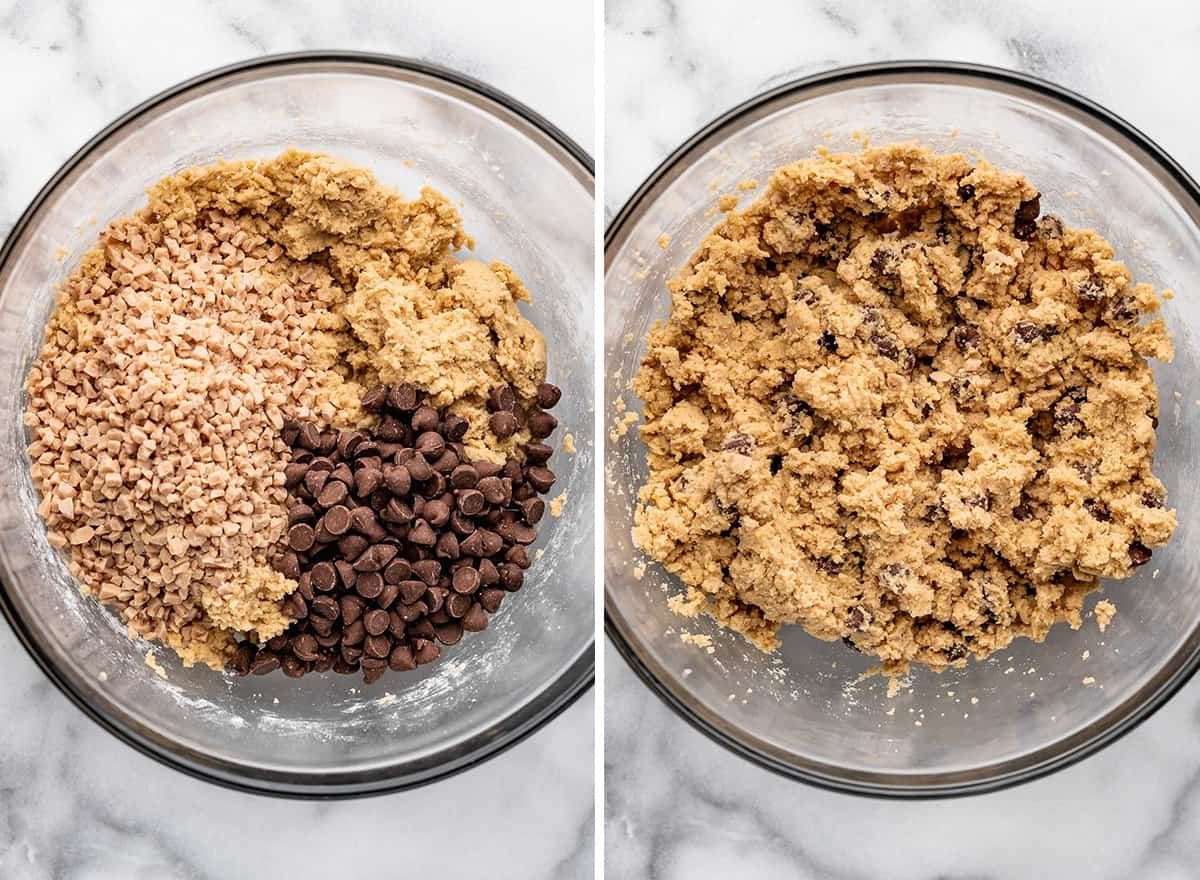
x=153, y=663
x=556, y=504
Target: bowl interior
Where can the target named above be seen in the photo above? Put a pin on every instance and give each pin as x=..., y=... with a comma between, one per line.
x=526, y=201
x=805, y=707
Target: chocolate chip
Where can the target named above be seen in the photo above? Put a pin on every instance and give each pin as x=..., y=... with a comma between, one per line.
x=542, y=425
x=1023, y=512
x=411, y=591
x=374, y=398
x=518, y=556
x=324, y=576
x=886, y=345
x=391, y=430
x=1026, y=332
x=1051, y=227
x=532, y=510
x=503, y=423
x=829, y=566
x=488, y=573
x=402, y=397
x=738, y=442
x=1099, y=511
x=374, y=558
x=537, y=453
x=376, y=622
x=542, y=478
x=966, y=192
x=305, y=647
x=966, y=338
x=388, y=595
x=458, y=604
x=465, y=580
x=397, y=511
x=884, y=261
x=369, y=584
x=242, y=659
x=1153, y=500
x=418, y=469
x=264, y=662
x=859, y=618
x=401, y=659
x=396, y=571
x=301, y=513
x=428, y=570
x=1139, y=553
x=425, y=651
x=295, y=606
x=425, y=419
x=511, y=577
x=301, y=537
x=436, y=513
x=352, y=608
x=520, y=414
x=449, y=633
x=430, y=444
x=1122, y=310
x=454, y=427
x=367, y=480
x=336, y=520
x=548, y=395
x=1025, y=221
x=309, y=437
x=501, y=399
x=447, y=546
x=475, y=620
x=1091, y=290
x=422, y=534
x=445, y=463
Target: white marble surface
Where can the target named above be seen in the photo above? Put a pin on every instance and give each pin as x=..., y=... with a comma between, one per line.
x=74, y=802
x=679, y=806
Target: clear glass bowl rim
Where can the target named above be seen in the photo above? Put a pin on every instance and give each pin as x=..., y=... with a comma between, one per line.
x=525, y=720
x=1166, y=682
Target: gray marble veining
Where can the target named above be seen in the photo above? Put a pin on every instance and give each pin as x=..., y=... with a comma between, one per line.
x=679, y=806
x=75, y=802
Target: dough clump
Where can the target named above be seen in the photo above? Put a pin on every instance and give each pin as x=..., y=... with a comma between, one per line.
x=897, y=405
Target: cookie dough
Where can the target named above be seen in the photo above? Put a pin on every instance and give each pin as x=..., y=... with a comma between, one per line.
x=895, y=404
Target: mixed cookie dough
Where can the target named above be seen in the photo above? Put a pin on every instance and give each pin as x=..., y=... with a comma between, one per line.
x=248, y=298
x=896, y=404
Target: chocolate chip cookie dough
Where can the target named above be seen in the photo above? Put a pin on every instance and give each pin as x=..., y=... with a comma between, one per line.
x=244, y=295
x=897, y=405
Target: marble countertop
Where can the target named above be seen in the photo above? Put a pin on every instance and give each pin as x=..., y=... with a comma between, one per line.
x=75, y=802
x=679, y=806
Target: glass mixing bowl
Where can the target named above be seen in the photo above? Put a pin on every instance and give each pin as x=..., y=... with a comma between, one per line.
x=526, y=195
x=1025, y=711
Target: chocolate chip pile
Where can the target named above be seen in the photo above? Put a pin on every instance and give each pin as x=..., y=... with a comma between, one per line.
x=397, y=540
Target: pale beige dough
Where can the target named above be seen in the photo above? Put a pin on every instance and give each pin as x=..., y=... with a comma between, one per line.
x=894, y=405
